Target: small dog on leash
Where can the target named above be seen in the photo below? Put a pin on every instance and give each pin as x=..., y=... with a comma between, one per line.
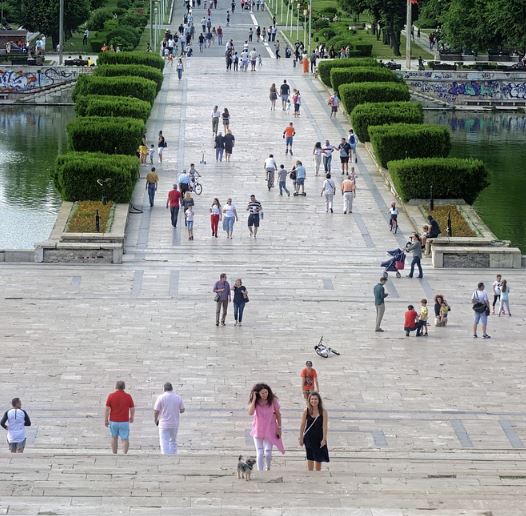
x=244, y=467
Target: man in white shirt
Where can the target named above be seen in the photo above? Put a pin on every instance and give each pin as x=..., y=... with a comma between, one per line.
x=480, y=305
x=270, y=167
x=166, y=411
x=14, y=421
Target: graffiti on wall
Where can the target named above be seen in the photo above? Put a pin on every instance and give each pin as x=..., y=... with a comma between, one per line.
x=455, y=87
x=15, y=80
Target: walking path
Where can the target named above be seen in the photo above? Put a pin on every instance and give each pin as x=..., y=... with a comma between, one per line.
x=436, y=423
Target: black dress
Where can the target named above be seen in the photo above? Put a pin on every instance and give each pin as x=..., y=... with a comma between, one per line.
x=313, y=438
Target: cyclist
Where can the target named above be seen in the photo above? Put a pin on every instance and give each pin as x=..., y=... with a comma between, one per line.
x=393, y=218
x=270, y=167
x=193, y=174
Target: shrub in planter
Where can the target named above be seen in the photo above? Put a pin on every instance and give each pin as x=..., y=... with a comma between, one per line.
x=452, y=178
x=108, y=105
x=99, y=17
x=381, y=113
x=134, y=20
x=144, y=58
x=365, y=50
x=354, y=74
x=354, y=94
x=124, y=37
x=110, y=135
x=76, y=175
x=124, y=86
x=324, y=67
x=144, y=71
x=399, y=141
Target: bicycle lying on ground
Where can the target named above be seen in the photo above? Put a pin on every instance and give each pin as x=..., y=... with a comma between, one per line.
x=324, y=351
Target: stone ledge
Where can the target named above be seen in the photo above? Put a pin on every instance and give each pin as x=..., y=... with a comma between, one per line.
x=17, y=255
x=473, y=257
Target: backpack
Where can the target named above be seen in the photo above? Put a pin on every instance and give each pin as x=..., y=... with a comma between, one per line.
x=352, y=140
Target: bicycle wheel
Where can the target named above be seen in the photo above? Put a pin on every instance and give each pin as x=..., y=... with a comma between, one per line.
x=198, y=188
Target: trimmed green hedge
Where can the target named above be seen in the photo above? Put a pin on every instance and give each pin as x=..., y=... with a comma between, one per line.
x=76, y=175
x=108, y=105
x=451, y=178
x=354, y=94
x=324, y=67
x=147, y=72
x=381, y=113
x=353, y=74
x=399, y=141
x=110, y=135
x=144, y=58
x=124, y=86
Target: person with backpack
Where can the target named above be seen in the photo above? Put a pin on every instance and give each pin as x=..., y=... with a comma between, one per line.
x=328, y=189
x=345, y=152
x=353, y=142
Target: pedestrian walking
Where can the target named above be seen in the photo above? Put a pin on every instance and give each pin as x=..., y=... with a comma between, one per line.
x=348, y=189
x=410, y=320
x=313, y=432
x=222, y=298
x=189, y=220
x=393, y=217
x=309, y=380
x=273, y=97
x=166, y=413
x=288, y=135
x=379, y=302
x=422, y=319
x=152, y=180
x=264, y=408
x=215, y=216
x=15, y=421
x=345, y=152
x=353, y=142
x=229, y=217
x=216, y=114
x=480, y=305
x=226, y=119
x=300, y=176
x=186, y=203
x=504, y=298
x=254, y=208
x=317, y=153
x=284, y=91
x=219, y=146
x=327, y=151
x=161, y=145
x=296, y=100
x=184, y=183
x=328, y=190
x=229, y=144
x=240, y=300
x=496, y=287
x=415, y=246
x=220, y=32
x=173, y=202
x=253, y=56
x=282, y=180
x=120, y=411
x=180, y=69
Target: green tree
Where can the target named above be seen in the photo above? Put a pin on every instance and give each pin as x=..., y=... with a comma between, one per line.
x=507, y=20
x=43, y=16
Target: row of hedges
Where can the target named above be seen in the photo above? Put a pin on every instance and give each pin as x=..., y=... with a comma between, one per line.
x=354, y=74
x=399, y=141
x=108, y=105
x=354, y=94
x=112, y=106
x=324, y=67
x=76, y=175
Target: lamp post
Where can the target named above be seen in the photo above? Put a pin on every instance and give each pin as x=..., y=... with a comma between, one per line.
x=156, y=18
x=304, y=31
x=298, y=24
x=310, y=24
x=61, y=33
x=281, y=11
x=408, y=25
x=151, y=25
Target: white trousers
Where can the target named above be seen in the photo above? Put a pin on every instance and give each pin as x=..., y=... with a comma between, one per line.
x=168, y=440
x=263, y=453
x=347, y=201
x=328, y=201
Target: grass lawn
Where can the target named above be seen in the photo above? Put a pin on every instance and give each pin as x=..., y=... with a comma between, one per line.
x=83, y=219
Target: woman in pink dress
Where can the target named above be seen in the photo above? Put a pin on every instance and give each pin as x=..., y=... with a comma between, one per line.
x=266, y=424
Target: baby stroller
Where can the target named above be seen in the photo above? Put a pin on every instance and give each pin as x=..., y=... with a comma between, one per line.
x=396, y=263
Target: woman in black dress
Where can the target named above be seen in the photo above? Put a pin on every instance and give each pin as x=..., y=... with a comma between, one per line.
x=229, y=144
x=313, y=432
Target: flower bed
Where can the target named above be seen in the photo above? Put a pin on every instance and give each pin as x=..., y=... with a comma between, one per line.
x=83, y=218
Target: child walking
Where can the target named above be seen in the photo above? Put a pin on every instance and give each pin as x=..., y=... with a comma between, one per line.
x=422, y=319
x=189, y=213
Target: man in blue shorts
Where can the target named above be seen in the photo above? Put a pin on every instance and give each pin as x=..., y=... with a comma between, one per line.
x=300, y=178
x=119, y=414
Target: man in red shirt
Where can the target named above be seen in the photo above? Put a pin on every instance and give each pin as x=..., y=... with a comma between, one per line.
x=410, y=320
x=174, y=198
x=119, y=414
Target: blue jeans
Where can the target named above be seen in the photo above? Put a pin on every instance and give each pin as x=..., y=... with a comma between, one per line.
x=219, y=154
x=327, y=163
x=283, y=186
x=416, y=261
x=151, y=192
x=238, y=311
x=174, y=212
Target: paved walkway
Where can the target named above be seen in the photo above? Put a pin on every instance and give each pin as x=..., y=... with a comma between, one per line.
x=436, y=423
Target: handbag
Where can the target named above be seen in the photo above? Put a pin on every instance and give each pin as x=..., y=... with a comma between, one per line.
x=217, y=298
x=245, y=297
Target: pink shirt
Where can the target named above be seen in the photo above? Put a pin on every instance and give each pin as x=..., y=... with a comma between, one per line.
x=264, y=425
x=169, y=405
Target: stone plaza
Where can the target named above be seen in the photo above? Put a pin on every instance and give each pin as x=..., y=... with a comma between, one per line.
x=434, y=425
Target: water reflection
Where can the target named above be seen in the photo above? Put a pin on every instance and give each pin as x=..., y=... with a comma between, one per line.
x=30, y=139
x=499, y=140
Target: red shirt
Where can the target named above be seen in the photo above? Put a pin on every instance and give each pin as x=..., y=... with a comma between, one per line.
x=410, y=318
x=120, y=403
x=173, y=198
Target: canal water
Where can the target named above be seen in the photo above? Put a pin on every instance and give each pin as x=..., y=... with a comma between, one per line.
x=30, y=139
x=499, y=139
